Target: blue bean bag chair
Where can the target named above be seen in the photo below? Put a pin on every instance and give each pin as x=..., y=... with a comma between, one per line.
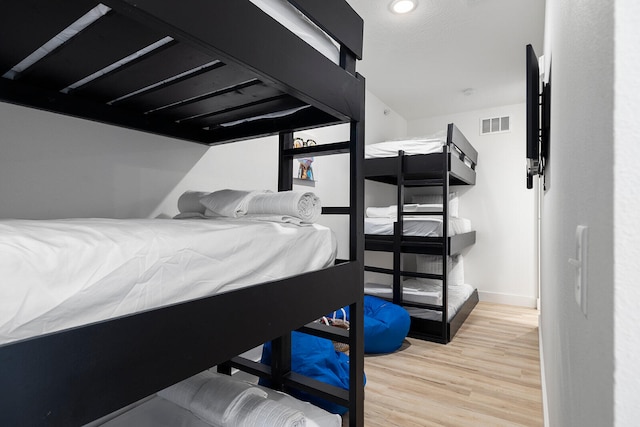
x=315, y=358
x=386, y=325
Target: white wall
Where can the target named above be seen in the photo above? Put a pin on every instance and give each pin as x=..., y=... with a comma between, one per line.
x=382, y=123
x=54, y=166
x=626, y=206
x=502, y=263
x=579, y=350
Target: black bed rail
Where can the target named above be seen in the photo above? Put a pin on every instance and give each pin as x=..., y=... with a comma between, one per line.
x=292, y=380
x=421, y=245
x=457, y=138
x=403, y=273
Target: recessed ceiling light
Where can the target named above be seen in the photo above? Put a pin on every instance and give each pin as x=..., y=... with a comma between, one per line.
x=403, y=6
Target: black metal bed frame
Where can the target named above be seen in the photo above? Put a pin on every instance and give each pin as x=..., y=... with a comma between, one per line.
x=426, y=170
x=227, y=62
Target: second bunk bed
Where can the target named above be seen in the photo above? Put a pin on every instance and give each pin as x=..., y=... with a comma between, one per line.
x=426, y=226
x=202, y=71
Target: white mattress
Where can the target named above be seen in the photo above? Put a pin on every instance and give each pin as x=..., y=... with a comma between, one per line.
x=457, y=296
x=409, y=146
x=411, y=292
x=424, y=226
x=58, y=274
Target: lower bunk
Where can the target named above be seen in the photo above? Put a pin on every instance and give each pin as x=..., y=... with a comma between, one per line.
x=425, y=293
x=427, y=324
x=68, y=360
x=243, y=403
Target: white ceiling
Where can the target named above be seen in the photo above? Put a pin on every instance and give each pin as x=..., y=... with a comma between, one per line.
x=419, y=64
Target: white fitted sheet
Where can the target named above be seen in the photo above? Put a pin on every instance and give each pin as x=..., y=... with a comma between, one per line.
x=409, y=146
x=424, y=226
x=57, y=274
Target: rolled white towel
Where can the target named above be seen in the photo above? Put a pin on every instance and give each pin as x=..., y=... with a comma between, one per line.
x=303, y=205
x=254, y=411
x=182, y=393
x=218, y=398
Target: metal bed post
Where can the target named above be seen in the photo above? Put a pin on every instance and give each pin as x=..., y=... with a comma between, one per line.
x=356, y=253
x=281, y=346
x=398, y=229
x=446, y=152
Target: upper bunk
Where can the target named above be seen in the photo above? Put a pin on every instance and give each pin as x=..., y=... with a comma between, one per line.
x=453, y=155
x=199, y=70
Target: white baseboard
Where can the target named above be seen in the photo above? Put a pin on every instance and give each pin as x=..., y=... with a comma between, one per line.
x=508, y=299
x=543, y=381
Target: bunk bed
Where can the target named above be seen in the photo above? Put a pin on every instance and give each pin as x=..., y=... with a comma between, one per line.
x=210, y=72
x=423, y=229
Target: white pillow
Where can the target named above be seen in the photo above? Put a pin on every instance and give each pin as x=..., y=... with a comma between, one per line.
x=437, y=199
x=432, y=264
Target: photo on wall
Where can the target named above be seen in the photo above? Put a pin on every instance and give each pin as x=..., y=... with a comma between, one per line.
x=303, y=168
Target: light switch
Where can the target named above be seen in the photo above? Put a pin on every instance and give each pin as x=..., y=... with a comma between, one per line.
x=580, y=267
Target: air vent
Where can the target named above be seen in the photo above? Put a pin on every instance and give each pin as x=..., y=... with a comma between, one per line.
x=495, y=125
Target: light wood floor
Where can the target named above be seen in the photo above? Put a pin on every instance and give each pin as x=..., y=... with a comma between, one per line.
x=488, y=375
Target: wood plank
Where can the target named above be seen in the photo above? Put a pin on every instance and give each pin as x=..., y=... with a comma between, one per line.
x=489, y=374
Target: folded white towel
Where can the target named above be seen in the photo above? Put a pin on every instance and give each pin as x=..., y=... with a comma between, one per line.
x=183, y=392
x=303, y=205
x=254, y=411
x=230, y=203
x=219, y=397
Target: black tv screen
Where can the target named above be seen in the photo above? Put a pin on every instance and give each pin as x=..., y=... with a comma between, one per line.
x=533, y=114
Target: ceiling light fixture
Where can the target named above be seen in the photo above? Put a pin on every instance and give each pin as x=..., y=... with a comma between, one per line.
x=403, y=6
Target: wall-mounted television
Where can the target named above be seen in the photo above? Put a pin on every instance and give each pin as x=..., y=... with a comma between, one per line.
x=538, y=118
